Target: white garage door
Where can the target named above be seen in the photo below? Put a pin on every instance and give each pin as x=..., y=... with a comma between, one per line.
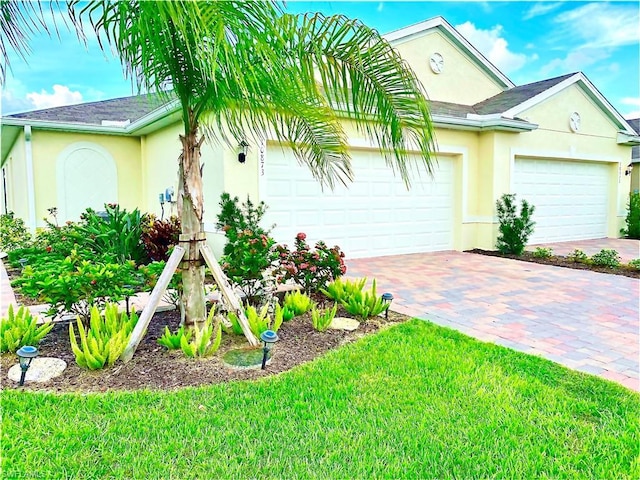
x=571, y=198
x=373, y=216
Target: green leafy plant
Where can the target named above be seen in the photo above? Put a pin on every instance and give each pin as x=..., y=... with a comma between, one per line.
x=365, y=304
x=104, y=340
x=259, y=321
x=286, y=313
x=298, y=302
x=514, y=229
x=632, y=219
x=205, y=341
x=634, y=264
x=342, y=290
x=312, y=269
x=606, y=258
x=543, y=252
x=158, y=236
x=20, y=329
x=173, y=340
x=75, y=284
x=117, y=233
x=13, y=232
x=578, y=256
x=322, y=319
x=248, y=252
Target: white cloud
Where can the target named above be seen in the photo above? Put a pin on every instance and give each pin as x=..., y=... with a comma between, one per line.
x=600, y=25
x=632, y=115
x=493, y=46
x=631, y=102
x=61, y=96
x=541, y=8
x=576, y=60
x=14, y=97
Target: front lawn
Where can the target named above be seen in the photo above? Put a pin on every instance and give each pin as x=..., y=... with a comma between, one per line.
x=415, y=401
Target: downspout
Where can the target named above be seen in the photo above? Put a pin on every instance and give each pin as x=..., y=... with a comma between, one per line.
x=31, y=191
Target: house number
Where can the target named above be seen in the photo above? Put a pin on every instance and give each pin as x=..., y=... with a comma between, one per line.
x=261, y=159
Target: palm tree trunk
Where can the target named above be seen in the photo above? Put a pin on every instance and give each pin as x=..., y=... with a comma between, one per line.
x=192, y=229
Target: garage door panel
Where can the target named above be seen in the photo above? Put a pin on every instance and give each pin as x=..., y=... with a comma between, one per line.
x=375, y=215
x=571, y=198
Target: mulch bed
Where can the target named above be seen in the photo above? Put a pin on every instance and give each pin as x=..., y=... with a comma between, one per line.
x=153, y=367
x=560, y=261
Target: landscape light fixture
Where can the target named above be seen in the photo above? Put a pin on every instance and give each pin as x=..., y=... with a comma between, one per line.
x=23, y=262
x=242, y=151
x=25, y=355
x=268, y=337
x=387, y=298
x=629, y=169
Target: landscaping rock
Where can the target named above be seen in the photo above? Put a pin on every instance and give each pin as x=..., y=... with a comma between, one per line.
x=42, y=369
x=343, y=323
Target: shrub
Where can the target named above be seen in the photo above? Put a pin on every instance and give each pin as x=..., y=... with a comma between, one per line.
x=514, y=229
x=298, y=303
x=322, y=319
x=118, y=234
x=259, y=321
x=59, y=240
x=606, y=258
x=106, y=338
x=542, y=252
x=365, y=304
x=150, y=274
x=578, y=256
x=633, y=217
x=74, y=285
x=248, y=252
x=311, y=269
x=20, y=329
x=634, y=264
x=158, y=236
x=13, y=233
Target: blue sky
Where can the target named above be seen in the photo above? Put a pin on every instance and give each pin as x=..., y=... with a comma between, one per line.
x=528, y=41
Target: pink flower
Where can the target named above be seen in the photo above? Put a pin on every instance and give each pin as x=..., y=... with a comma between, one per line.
x=301, y=236
x=343, y=269
x=313, y=268
x=304, y=266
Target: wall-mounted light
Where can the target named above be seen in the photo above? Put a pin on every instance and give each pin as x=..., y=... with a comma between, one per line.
x=629, y=169
x=243, y=148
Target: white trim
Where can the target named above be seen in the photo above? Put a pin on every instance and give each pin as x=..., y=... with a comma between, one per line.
x=404, y=34
x=31, y=191
x=483, y=122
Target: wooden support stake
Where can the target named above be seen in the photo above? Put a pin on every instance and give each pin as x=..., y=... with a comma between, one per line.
x=228, y=293
x=152, y=305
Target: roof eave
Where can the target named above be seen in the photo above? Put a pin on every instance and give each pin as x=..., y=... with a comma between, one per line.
x=625, y=138
x=481, y=123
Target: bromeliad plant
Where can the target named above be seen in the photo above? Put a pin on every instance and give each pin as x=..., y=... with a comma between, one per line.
x=364, y=304
x=104, y=340
x=342, y=290
x=259, y=321
x=311, y=269
x=205, y=341
x=20, y=329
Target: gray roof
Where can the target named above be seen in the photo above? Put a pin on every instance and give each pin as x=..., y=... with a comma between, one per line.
x=93, y=113
x=515, y=96
x=450, y=109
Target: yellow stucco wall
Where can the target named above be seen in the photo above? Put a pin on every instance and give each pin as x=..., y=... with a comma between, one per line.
x=47, y=148
x=461, y=81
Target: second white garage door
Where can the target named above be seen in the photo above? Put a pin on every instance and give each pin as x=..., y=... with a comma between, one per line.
x=571, y=198
x=373, y=216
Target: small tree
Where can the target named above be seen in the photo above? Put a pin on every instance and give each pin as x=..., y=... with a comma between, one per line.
x=514, y=229
x=633, y=217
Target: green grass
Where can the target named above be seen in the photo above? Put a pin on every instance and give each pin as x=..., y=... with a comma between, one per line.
x=415, y=401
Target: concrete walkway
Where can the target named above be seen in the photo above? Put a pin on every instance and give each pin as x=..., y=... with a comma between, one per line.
x=584, y=320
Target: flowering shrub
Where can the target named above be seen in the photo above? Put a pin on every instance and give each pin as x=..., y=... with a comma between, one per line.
x=248, y=253
x=13, y=233
x=311, y=269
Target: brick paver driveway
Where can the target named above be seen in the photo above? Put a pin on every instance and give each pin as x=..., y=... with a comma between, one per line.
x=585, y=320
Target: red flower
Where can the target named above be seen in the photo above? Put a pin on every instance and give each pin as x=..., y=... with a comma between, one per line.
x=301, y=236
x=93, y=282
x=313, y=268
x=48, y=249
x=343, y=269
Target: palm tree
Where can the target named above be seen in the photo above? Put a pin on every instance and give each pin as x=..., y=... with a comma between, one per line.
x=242, y=68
